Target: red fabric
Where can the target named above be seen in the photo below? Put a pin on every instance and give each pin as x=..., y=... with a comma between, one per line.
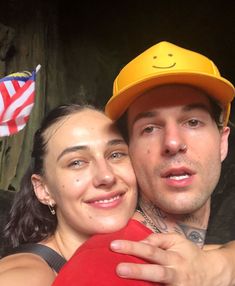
x=94, y=263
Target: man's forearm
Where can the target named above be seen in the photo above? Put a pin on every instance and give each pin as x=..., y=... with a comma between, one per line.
x=222, y=269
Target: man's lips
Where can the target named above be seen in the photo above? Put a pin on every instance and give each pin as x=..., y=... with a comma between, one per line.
x=178, y=177
x=177, y=173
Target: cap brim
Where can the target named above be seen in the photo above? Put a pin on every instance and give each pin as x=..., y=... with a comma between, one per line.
x=219, y=89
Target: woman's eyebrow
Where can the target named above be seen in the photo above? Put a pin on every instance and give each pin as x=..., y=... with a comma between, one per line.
x=85, y=147
x=71, y=149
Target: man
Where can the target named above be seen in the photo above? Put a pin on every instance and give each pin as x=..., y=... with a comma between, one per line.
x=176, y=107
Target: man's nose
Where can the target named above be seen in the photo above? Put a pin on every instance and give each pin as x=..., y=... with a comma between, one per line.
x=173, y=141
x=104, y=176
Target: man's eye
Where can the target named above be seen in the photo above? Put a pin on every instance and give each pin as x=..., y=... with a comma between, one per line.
x=193, y=122
x=118, y=155
x=76, y=163
x=148, y=129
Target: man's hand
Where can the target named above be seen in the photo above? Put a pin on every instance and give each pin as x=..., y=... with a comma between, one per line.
x=173, y=260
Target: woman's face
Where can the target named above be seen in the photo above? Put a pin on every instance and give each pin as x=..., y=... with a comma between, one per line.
x=89, y=175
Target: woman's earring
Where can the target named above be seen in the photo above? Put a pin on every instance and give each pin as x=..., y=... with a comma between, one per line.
x=51, y=208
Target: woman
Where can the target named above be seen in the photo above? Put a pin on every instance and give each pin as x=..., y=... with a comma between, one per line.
x=80, y=182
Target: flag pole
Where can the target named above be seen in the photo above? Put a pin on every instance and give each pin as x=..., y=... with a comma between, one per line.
x=38, y=68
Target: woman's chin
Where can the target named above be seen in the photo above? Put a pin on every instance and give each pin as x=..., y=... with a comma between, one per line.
x=109, y=225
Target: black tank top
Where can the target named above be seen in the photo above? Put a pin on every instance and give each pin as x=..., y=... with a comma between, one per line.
x=53, y=259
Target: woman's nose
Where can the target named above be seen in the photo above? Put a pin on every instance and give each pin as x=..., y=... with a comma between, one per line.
x=104, y=176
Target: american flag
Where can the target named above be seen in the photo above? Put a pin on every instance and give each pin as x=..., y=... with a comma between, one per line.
x=17, y=93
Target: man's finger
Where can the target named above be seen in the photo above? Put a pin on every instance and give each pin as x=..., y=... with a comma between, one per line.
x=164, y=240
x=144, y=250
x=147, y=272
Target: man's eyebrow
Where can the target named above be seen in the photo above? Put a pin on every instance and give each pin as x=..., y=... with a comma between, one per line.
x=188, y=107
x=146, y=114
x=193, y=106
x=71, y=149
x=85, y=147
x=114, y=142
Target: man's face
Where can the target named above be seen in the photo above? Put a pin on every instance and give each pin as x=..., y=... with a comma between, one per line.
x=176, y=147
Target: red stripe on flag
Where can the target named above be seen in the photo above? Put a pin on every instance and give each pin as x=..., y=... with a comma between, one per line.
x=5, y=96
x=28, y=100
x=16, y=84
x=21, y=90
x=12, y=126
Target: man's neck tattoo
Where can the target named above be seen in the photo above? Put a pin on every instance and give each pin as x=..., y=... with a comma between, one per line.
x=160, y=222
x=147, y=220
x=196, y=235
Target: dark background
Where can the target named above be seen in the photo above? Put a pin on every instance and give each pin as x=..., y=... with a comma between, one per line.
x=83, y=45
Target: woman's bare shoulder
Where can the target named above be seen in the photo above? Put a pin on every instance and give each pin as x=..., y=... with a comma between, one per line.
x=25, y=269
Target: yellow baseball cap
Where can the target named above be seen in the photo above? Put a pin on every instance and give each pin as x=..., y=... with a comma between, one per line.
x=166, y=63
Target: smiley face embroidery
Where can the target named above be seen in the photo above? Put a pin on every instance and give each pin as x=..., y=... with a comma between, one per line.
x=168, y=63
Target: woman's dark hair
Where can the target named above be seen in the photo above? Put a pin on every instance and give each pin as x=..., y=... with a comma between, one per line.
x=29, y=220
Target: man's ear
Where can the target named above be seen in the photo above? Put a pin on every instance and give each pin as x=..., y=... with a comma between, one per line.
x=41, y=191
x=224, y=143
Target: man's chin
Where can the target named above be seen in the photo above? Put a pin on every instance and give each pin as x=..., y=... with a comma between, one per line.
x=175, y=209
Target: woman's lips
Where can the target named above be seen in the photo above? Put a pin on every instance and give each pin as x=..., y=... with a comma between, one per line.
x=106, y=201
x=109, y=201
